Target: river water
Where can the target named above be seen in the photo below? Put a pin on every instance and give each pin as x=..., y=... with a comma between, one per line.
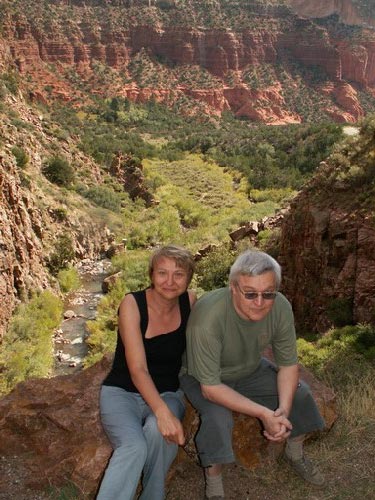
x=70, y=347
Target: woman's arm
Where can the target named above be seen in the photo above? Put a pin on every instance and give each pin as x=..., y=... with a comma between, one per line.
x=129, y=321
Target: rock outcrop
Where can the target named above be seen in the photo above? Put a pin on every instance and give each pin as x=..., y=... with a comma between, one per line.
x=52, y=426
x=129, y=173
x=327, y=253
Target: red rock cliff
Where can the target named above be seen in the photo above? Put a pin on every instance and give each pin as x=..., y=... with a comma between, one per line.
x=227, y=54
x=327, y=253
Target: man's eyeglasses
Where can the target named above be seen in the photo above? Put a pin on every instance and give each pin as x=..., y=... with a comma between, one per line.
x=255, y=295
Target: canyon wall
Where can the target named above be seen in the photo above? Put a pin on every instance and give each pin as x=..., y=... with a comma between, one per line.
x=227, y=54
x=327, y=253
x=32, y=219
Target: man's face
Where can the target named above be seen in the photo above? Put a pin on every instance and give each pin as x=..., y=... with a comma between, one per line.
x=254, y=309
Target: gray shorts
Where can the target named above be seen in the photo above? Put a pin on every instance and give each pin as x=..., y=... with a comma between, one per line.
x=214, y=437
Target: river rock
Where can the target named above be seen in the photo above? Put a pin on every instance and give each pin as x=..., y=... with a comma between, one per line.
x=110, y=281
x=52, y=427
x=69, y=314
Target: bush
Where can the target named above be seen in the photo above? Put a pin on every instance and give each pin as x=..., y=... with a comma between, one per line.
x=21, y=156
x=213, y=270
x=340, y=311
x=104, y=197
x=27, y=347
x=11, y=82
x=62, y=255
x=59, y=171
x=68, y=279
x=340, y=348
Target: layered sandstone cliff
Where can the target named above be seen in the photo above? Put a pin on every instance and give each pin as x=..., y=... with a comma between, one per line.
x=228, y=54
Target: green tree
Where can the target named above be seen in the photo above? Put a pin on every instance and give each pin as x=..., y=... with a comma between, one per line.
x=62, y=255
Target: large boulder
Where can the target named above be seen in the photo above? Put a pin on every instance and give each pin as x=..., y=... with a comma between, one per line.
x=52, y=428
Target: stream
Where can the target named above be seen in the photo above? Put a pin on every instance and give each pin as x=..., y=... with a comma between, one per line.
x=80, y=306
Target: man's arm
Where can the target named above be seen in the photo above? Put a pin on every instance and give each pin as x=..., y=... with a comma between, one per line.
x=287, y=383
x=277, y=426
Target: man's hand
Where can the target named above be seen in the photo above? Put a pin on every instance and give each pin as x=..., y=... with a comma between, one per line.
x=277, y=427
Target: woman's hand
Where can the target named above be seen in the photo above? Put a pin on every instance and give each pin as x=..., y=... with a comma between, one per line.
x=169, y=426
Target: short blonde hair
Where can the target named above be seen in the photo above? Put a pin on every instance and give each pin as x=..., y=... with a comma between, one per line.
x=180, y=255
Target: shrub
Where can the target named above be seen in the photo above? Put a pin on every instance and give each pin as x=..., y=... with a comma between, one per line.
x=27, y=347
x=11, y=82
x=340, y=311
x=104, y=197
x=59, y=171
x=59, y=214
x=331, y=355
x=213, y=270
x=68, y=279
x=21, y=156
x=62, y=255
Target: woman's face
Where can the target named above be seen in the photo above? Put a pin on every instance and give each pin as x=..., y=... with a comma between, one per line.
x=168, y=279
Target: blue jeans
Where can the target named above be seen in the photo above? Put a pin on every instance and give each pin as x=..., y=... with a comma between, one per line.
x=137, y=443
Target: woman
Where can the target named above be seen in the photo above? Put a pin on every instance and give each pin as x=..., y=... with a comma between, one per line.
x=141, y=403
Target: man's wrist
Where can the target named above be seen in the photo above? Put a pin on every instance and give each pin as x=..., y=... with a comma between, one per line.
x=282, y=410
x=265, y=413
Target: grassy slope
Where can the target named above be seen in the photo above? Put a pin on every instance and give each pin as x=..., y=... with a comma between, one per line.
x=208, y=191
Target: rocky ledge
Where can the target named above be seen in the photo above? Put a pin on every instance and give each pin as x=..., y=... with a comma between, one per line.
x=51, y=429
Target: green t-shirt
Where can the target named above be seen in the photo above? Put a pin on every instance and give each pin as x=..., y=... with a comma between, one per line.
x=222, y=346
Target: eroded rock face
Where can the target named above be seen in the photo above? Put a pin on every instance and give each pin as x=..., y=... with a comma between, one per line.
x=327, y=254
x=21, y=250
x=129, y=173
x=26, y=233
x=52, y=426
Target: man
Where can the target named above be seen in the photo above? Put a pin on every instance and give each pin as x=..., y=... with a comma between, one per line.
x=227, y=332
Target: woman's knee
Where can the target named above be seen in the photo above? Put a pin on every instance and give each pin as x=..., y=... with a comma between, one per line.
x=152, y=433
x=176, y=403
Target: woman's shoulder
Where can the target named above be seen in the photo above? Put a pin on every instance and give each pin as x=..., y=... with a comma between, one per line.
x=133, y=299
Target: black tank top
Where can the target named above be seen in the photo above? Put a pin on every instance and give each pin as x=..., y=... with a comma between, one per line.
x=163, y=352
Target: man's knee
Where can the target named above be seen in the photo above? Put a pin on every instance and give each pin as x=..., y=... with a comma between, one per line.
x=303, y=394
x=305, y=415
x=216, y=424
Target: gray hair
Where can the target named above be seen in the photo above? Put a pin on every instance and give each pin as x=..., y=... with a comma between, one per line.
x=254, y=263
